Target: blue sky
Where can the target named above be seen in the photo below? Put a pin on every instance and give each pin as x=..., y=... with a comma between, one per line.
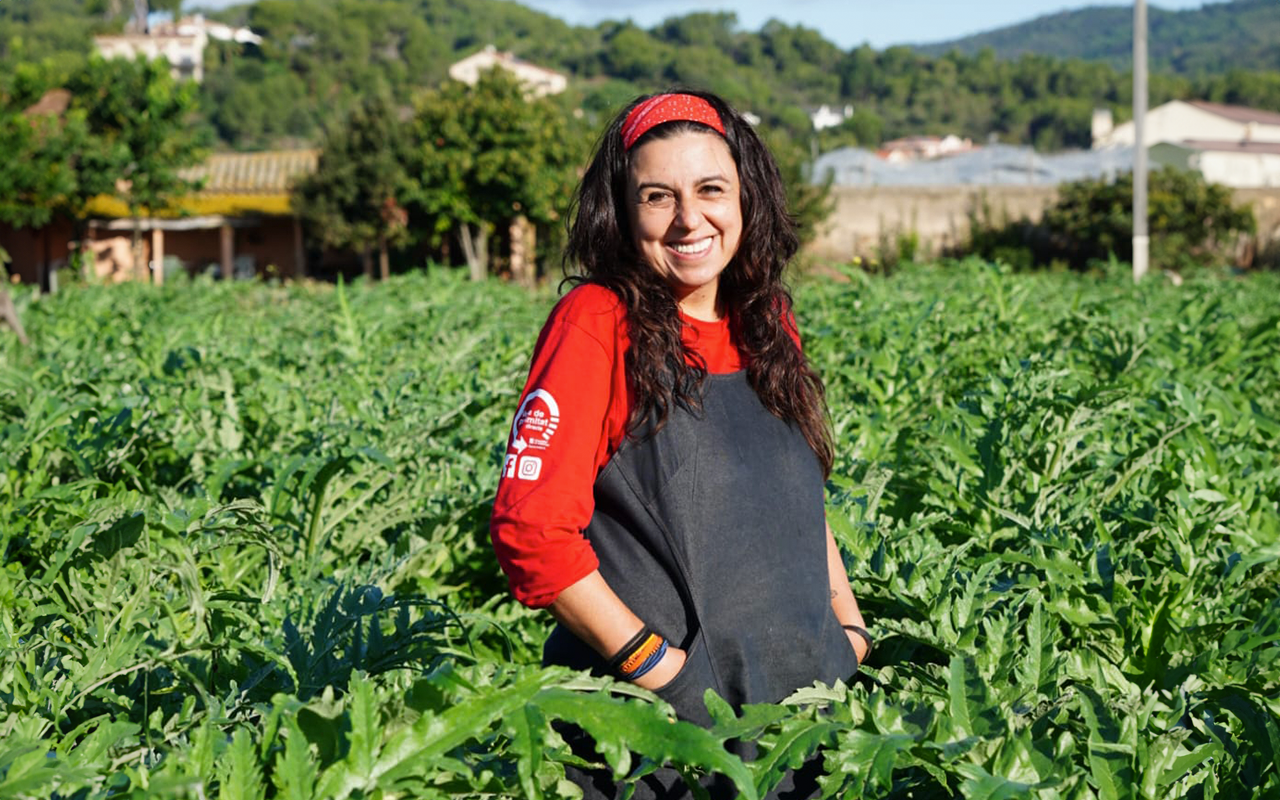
x=848, y=23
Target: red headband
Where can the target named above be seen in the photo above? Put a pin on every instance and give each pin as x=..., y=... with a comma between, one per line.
x=668, y=108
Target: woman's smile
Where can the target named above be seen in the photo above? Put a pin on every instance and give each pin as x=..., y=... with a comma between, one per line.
x=692, y=248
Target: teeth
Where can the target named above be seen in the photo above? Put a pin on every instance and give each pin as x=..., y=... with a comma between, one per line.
x=692, y=248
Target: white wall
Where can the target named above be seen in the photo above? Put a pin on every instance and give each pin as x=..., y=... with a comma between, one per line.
x=1243, y=170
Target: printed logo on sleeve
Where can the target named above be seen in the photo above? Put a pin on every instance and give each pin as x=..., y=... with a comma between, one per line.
x=530, y=468
x=536, y=422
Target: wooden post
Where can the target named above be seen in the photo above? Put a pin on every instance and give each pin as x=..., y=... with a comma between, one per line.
x=228, y=251
x=89, y=263
x=524, y=265
x=157, y=256
x=299, y=252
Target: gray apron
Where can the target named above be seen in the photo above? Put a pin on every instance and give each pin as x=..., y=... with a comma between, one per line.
x=712, y=532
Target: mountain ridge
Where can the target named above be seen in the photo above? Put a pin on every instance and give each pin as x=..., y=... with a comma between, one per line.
x=1240, y=34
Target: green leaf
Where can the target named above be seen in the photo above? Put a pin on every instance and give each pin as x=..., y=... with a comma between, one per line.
x=870, y=757
x=296, y=771
x=366, y=731
x=978, y=784
x=239, y=773
x=620, y=727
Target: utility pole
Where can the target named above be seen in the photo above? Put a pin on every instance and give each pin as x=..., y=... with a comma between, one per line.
x=1141, y=239
x=140, y=13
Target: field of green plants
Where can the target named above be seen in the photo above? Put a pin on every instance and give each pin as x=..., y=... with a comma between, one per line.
x=245, y=546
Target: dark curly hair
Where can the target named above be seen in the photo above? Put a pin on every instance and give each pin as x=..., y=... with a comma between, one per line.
x=602, y=250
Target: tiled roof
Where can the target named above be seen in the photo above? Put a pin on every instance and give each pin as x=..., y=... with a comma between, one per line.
x=235, y=184
x=268, y=172
x=1238, y=113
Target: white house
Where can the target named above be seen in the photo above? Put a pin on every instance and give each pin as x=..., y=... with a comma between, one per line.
x=828, y=117
x=182, y=43
x=539, y=81
x=196, y=25
x=184, y=53
x=1183, y=120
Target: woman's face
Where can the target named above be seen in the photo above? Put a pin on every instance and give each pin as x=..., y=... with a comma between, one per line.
x=686, y=214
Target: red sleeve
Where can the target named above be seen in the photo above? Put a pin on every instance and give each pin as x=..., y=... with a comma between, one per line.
x=554, y=447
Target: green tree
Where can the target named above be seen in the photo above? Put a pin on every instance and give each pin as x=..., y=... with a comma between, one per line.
x=487, y=154
x=1192, y=222
x=139, y=134
x=37, y=175
x=355, y=198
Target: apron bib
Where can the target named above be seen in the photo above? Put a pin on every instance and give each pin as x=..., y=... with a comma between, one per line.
x=712, y=532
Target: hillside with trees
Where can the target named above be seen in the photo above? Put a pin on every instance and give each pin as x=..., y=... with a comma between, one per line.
x=319, y=58
x=1215, y=38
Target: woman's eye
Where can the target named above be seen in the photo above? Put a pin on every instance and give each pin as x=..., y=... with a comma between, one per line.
x=656, y=198
x=711, y=188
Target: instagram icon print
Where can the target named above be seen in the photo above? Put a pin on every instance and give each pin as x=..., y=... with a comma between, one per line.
x=530, y=468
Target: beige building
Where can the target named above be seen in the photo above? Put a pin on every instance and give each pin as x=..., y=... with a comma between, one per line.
x=1232, y=145
x=1193, y=120
x=539, y=81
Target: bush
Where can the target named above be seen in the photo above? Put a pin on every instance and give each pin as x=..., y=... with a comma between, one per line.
x=1192, y=222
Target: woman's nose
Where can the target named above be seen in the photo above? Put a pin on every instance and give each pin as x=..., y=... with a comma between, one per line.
x=688, y=214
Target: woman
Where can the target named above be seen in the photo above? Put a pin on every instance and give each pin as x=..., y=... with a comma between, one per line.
x=663, y=488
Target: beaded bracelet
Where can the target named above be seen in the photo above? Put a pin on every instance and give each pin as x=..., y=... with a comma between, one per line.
x=861, y=631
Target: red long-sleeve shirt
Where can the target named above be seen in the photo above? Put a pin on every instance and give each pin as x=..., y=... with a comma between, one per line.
x=572, y=417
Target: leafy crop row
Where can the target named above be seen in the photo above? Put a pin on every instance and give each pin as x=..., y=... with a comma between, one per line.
x=245, y=549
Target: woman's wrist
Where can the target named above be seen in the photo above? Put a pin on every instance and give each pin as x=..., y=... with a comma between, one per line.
x=664, y=671
x=861, y=641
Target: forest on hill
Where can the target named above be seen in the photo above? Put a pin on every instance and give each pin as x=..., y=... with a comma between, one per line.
x=1215, y=38
x=320, y=57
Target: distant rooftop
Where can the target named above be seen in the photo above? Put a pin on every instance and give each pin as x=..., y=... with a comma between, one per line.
x=1262, y=148
x=1238, y=113
x=999, y=164
x=264, y=172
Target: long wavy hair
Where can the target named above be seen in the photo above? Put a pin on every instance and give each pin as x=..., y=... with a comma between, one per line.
x=663, y=373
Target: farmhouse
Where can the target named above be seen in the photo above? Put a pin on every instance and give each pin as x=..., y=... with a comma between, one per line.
x=539, y=81
x=1232, y=145
x=239, y=224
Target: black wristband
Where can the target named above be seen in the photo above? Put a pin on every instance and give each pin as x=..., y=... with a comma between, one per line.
x=627, y=649
x=861, y=631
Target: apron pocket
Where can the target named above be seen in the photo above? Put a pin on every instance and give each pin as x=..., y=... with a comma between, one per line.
x=685, y=691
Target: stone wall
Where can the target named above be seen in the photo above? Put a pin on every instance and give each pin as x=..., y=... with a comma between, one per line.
x=869, y=218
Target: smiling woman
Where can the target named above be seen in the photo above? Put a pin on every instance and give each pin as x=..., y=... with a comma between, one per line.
x=663, y=488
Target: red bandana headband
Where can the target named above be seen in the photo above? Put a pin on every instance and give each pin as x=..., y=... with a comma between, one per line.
x=668, y=108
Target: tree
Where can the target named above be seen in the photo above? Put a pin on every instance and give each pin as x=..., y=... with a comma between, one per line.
x=141, y=134
x=487, y=154
x=355, y=198
x=1193, y=222
x=32, y=178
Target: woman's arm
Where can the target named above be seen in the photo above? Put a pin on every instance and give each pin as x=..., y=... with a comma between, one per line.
x=843, y=603
x=596, y=615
